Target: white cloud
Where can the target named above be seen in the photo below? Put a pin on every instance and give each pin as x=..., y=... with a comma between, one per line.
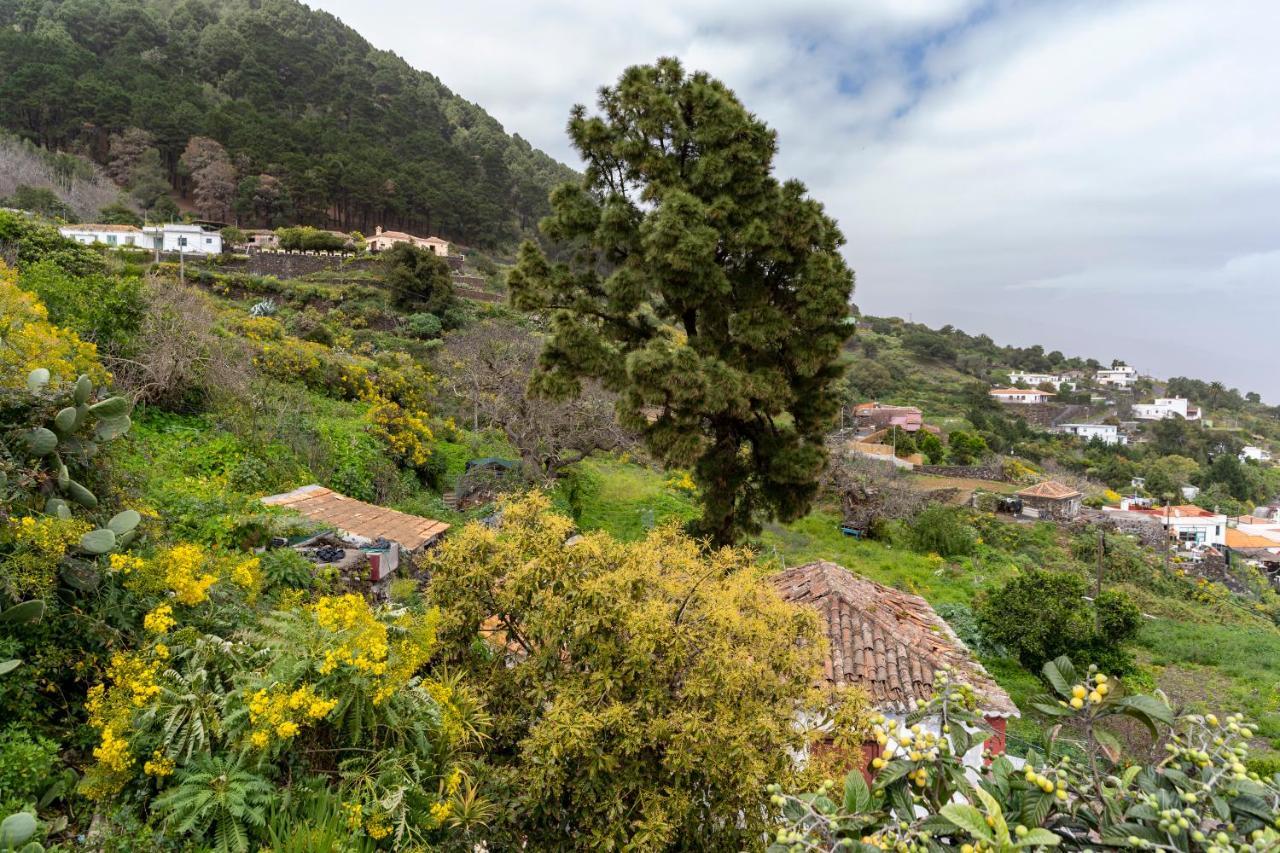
x=1011, y=167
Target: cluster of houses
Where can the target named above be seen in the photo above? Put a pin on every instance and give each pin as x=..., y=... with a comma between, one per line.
x=1255, y=537
x=877, y=426
x=205, y=239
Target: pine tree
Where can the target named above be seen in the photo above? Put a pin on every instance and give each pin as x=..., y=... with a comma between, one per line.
x=709, y=295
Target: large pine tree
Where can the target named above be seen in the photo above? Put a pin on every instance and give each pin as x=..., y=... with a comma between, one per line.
x=709, y=295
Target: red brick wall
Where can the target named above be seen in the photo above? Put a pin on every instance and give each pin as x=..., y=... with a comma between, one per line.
x=996, y=743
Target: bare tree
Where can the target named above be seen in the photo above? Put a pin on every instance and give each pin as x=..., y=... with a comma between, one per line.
x=871, y=491
x=487, y=367
x=126, y=151
x=212, y=175
x=180, y=360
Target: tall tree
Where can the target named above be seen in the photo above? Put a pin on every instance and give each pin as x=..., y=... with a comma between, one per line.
x=213, y=176
x=710, y=296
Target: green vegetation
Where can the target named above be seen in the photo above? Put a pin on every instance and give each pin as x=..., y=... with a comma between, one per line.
x=269, y=112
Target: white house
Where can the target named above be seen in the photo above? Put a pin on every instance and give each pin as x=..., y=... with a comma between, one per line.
x=184, y=239
x=1021, y=395
x=1257, y=454
x=1106, y=433
x=1166, y=407
x=107, y=235
x=1033, y=379
x=1123, y=376
x=1188, y=524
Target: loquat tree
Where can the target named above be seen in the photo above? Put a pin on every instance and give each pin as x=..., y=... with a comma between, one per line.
x=708, y=294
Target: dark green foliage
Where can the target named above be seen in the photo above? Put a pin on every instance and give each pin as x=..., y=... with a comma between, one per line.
x=425, y=326
x=41, y=200
x=940, y=530
x=285, y=568
x=1042, y=615
x=931, y=446
x=218, y=799
x=966, y=448
x=26, y=764
x=342, y=131
x=418, y=278
x=306, y=239
x=32, y=242
x=105, y=309
x=701, y=289
x=119, y=214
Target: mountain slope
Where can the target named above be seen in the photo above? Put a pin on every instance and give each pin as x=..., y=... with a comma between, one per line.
x=355, y=136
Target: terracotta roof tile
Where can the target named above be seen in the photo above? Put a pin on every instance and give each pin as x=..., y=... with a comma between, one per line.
x=1050, y=489
x=888, y=642
x=360, y=519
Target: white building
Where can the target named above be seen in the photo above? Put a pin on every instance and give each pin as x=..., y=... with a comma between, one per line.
x=107, y=235
x=1188, y=524
x=1257, y=454
x=1057, y=380
x=1106, y=433
x=1021, y=395
x=1166, y=407
x=1119, y=377
x=184, y=239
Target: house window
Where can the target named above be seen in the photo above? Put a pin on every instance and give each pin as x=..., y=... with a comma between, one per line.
x=182, y=241
x=208, y=239
x=111, y=239
x=128, y=241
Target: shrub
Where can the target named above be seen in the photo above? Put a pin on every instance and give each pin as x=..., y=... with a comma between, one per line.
x=285, y=568
x=939, y=529
x=31, y=341
x=425, y=326
x=26, y=764
x=105, y=309
x=1042, y=615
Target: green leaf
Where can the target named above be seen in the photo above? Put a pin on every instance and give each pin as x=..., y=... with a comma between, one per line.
x=1109, y=743
x=18, y=828
x=1147, y=710
x=37, y=379
x=112, y=428
x=1253, y=806
x=41, y=441
x=84, y=387
x=968, y=819
x=65, y=420
x=112, y=407
x=98, y=541
x=7, y=666
x=1061, y=673
x=1035, y=808
x=1051, y=708
x=122, y=522
x=27, y=611
x=857, y=796
x=1039, y=838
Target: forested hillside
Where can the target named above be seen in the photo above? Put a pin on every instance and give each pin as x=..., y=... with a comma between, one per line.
x=317, y=126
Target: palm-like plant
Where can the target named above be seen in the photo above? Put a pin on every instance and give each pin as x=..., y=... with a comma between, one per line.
x=219, y=801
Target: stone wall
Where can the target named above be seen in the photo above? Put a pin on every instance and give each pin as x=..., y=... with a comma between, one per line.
x=286, y=265
x=993, y=472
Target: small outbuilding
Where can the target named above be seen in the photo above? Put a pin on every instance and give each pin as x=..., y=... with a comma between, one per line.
x=1052, y=500
x=891, y=644
x=359, y=521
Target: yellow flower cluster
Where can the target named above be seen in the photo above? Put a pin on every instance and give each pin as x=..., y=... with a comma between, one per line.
x=113, y=752
x=261, y=328
x=39, y=544
x=280, y=712
x=136, y=676
x=160, y=620
x=31, y=341
x=374, y=823
x=364, y=642
x=126, y=564
x=405, y=432
x=185, y=574
x=159, y=765
x=682, y=482
x=247, y=574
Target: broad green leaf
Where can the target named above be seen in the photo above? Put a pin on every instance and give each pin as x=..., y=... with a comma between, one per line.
x=857, y=796
x=969, y=819
x=1061, y=673
x=27, y=611
x=1039, y=838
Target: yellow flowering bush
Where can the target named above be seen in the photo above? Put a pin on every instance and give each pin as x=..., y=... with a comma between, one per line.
x=31, y=341
x=38, y=545
x=188, y=572
x=405, y=433
x=160, y=620
x=278, y=713
x=261, y=328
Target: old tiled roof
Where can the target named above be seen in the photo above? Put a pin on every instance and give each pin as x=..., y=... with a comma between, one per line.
x=126, y=229
x=359, y=519
x=1239, y=539
x=1050, y=489
x=888, y=642
x=1009, y=392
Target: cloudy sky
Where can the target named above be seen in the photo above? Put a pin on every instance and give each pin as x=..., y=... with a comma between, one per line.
x=1098, y=177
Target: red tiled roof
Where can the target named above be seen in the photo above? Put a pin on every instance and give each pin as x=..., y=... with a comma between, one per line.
x=127, y=229
x=360, y=519
x=1050, y=489
x=1006, y=392
x=888, y=642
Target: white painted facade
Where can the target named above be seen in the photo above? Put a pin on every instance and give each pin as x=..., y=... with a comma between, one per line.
x=1257, y=454
x=1057, y=380
x=1119, y=377
x=184, y=239
x=1021, y=395
x=1166, y=407
x=107, y=235
x=1106, y=433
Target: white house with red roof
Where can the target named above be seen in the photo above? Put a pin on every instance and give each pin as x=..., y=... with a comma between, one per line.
x=1021, y=395
x=1190, y=525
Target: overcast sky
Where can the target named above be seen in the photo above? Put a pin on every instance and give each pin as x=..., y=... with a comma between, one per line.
x=1097, y=177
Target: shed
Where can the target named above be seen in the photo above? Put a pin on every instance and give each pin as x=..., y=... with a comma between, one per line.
x=1053, y=500
x=359, y=520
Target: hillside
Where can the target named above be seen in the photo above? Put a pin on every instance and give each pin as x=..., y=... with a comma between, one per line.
x=318, y=126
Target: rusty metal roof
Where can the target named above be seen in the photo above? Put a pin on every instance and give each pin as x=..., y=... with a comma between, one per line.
x=888, y=642
x=359, y=519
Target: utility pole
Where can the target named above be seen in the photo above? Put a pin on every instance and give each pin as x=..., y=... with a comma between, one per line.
x=1102, y=550
x=182, y=265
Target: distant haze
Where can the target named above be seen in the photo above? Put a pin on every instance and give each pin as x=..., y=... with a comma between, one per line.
x=1100, y=177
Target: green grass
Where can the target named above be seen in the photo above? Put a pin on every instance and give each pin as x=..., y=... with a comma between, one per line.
x=623, y=498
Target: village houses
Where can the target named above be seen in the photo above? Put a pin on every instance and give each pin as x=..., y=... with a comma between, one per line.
x=1033, y=380
x=1106, y=433
x=1190, y=525
x=1254, y=453
x=1166, y=407
x=172, y=237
